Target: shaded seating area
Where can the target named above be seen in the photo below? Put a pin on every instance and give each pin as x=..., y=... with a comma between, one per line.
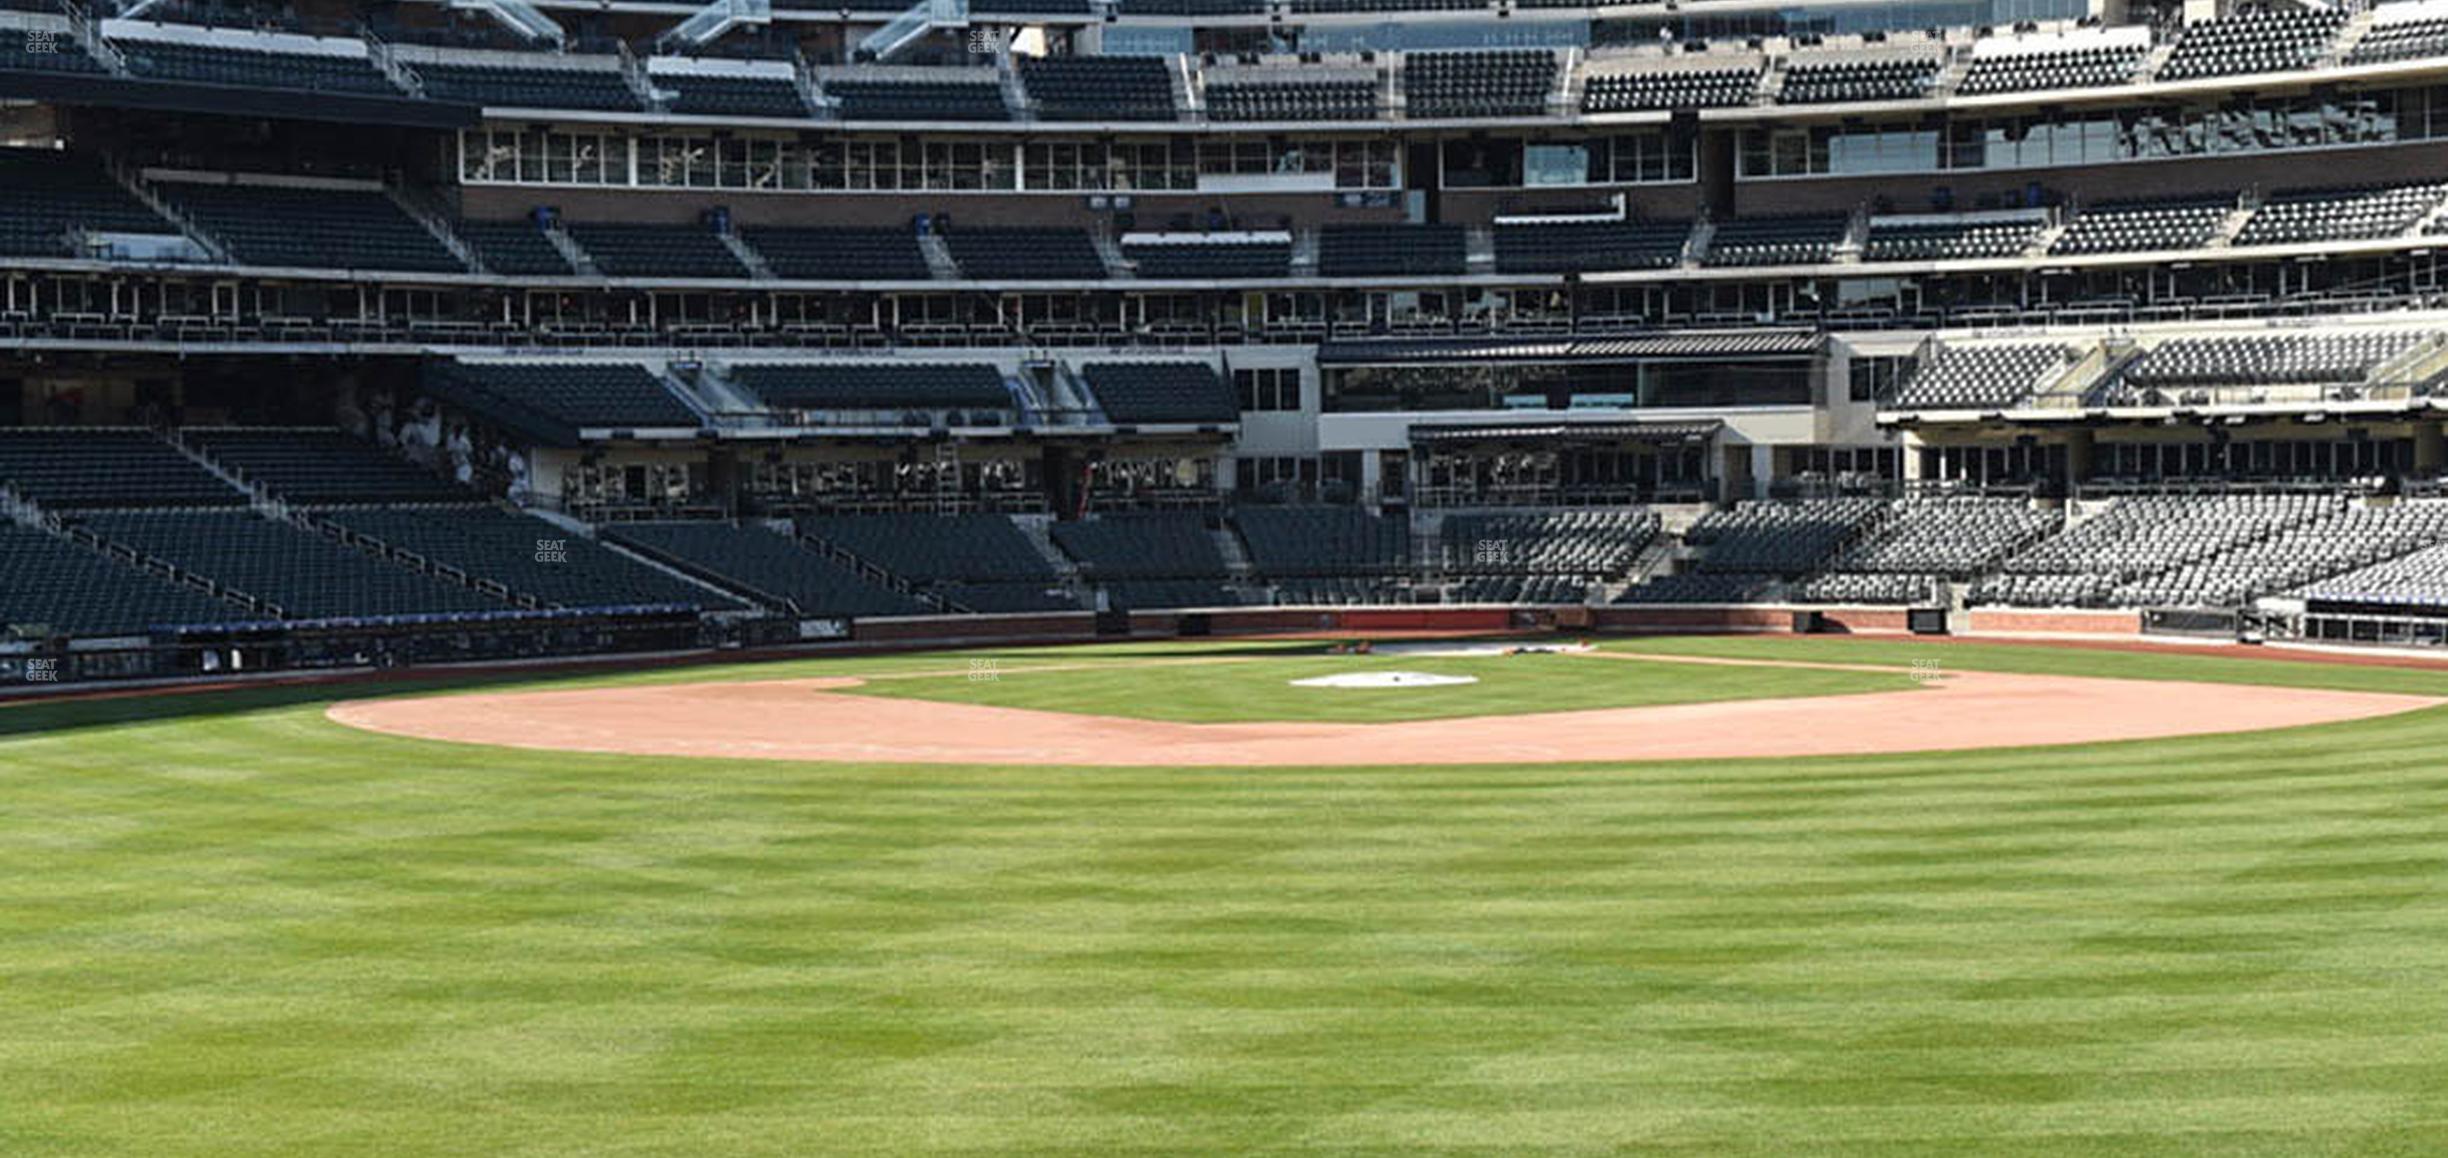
x=1025, y=254
x=514, y=247
x=633, y=250
x=1157, y=392
x=488, y=543
x=305, y=574
x=555, y=400
x=1396, y=250
x=1216, y=259
x=311, y=227
x=1288, y=542
x=1099, y=88
x=898, y=100
x=875, y=386
x=773, y=568
x=732, y=95
x=47, y=195
x=1143, y=545
x=509, y=84
x=866, y=254
x=243, y=60
x=319, y=467
x=72, y=468
x=1608, y=245
x=924, y=549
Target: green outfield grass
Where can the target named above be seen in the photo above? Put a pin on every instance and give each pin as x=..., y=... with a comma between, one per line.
x=230, y=927
x=1231, y=689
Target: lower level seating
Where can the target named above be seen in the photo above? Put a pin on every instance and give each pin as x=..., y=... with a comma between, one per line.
x=1309, y=541
x=317, y=467
x=314, y=228
x=773, y=567
x=936, y=548
x=71, y=468
x=63, y=588
x=1168, y=545
x=529, y=556
x=305, y=574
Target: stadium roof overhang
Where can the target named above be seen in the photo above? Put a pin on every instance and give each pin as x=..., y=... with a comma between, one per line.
x=1581, y=432
x=1651, y=347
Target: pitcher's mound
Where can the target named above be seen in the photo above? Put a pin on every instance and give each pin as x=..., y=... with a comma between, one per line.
x=1384, y=679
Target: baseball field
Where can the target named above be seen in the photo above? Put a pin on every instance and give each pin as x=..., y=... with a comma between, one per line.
x=1710, y=895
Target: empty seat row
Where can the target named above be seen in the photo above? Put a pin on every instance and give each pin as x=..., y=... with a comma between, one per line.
x=617, y=395
x=1099, y=88
x=1161, y=392
x=1207, y=260
x=56, y=587
x=1846, y=81
x=1491, y=83
x=304, y=574
x=318, y=467
x=1574, y=247
x=877, y=386
x=2098, y=66
x=1292, y=99
x=2253, y=41
x=311, y=227
x=1392, y=250
x=1630, y=92
x=72, y=468
x=772, y=567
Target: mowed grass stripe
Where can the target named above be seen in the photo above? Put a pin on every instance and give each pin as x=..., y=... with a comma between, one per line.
x=258, y=933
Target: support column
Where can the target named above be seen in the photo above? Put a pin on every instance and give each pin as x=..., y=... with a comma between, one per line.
x=2430, y=449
